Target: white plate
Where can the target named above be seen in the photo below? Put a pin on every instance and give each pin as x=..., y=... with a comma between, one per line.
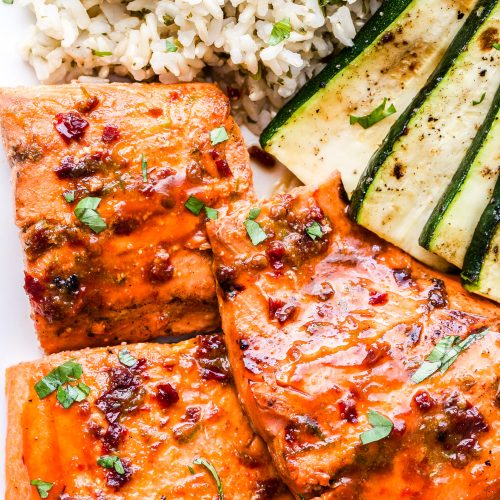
x=17, y=336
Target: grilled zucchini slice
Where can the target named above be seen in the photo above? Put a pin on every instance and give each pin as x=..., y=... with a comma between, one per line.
x=393, y=55
x=409, y=173
x=449, y=230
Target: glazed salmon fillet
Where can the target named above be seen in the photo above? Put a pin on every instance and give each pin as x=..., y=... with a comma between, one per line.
x=102, y=174
x=148, y=413
x=329, y=330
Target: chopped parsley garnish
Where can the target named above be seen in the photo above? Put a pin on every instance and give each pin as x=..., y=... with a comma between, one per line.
x=190, y=469
x=69, y=196
x=218, y=135
x=99, y=53
x=69, y=394
x=444, y=354
x=254, y=213
x=195, y=206
x=144, y=168
x=126, y=358
x=212, y=213
x=111, y=462
x=495, y=45
x=69, y=371
x=170, y=47
x=255, y=232
x=377, y=115
x=481, y=99
x=281, y=31
x=43, y=487
x=10, y=2
x=86, y=212
x=382, y=427
x=314, y=230
x=211, y=469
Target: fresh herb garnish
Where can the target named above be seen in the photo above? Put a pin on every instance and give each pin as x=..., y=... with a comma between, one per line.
x=481, y=99
x=212, y=213
x=314, y=231
x=281, y=31
x=69, y=371
x=254, y=213
x=43, y=487
x=190, y=469
x=378, y=114
x=126, y=358
x=255, y=232
x=70, y=394
x=10, y=2
x=170, y=47
x=444, y=354
x=69, y=196
x=194, y=205
x=99, y=53
x=144, y=168
x=495, y=45
x=111, y=462
x=211, y=469
x=382, y=427
x=86, y=212
x=218, y=135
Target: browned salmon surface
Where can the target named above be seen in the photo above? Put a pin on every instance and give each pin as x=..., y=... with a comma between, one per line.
x=137, y=265
x=175, y=404
x=326, y=324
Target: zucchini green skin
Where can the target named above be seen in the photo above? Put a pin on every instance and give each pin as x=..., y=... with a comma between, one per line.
x=378, y=23
x=460, y=177
x=475, y=19
x=481, y=247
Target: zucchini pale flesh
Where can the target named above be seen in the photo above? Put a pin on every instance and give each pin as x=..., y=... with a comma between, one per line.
x=409, y=173
x=449, y=230
x=481, y=269
x=392, y=57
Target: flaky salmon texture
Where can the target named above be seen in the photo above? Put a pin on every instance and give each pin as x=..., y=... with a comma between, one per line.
x=102, y=174
x=151, y=423
x=329, y=329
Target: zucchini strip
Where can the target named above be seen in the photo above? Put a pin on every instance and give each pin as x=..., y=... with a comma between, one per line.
x=481, y=271
x=393, y=55
x=449, y=230
x=409, y=173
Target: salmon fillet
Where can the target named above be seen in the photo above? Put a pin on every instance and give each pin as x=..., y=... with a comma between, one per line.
x=102, y=174
x=171, y=405
x=326, y=325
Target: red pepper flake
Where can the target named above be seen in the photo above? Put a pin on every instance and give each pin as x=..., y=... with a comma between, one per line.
x=377, y=298
x=276, y=253
x=155, y=112
x=71, y=126
x=280, y=310
x=424, y=401
x=348, y=412
x=110, y=134
x=166, y=395
x=233, y=93
x=221, y=164
x=88, y=105
x=262, y=157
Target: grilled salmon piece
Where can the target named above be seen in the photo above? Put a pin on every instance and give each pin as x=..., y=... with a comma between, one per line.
x=326, y=325
x=155, y=408
x=102, y=173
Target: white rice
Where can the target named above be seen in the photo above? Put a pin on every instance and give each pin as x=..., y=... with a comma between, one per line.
x=222, y=40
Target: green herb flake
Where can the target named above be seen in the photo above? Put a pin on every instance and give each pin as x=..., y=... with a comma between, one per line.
x=255, y=232
x=495, y=45
x=377, y=115
x=194, y=205
x=205, y=463
x=86, y=212
x=111, y=462
x=481, y=99
x=69, y=196
x=281, y=31
x=444, y=354
x=144, y=168
x=43, y=487
x=69, y=371
x=126, y=358
x=170, y=46
x=10, y=2
x=190, y=469
x=218, y=135
x=314, y=230
x=254, y=213
x=69, y=394
x=382, y=427
x=99, y=53
x=212, y=213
